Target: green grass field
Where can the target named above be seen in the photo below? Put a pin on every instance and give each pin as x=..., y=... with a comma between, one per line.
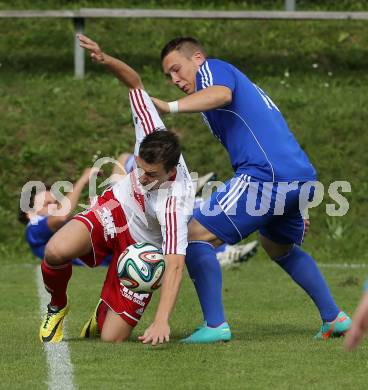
x=272, y=320
x=53, y=125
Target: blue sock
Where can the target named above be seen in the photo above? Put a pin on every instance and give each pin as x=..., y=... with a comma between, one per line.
x=304, y=271
x=205, y=271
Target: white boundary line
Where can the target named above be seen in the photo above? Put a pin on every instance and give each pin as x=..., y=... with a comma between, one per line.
x=342, y=265
x=60, y=375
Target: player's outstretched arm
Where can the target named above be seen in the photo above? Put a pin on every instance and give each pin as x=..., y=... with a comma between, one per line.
x=215, y=96
x=159, y=330
x=127, y=75
x=359, y=326
x=70, y=202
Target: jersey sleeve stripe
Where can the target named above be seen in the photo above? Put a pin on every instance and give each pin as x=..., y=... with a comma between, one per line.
x=168, y=226
x=146, y=110
x=204, y=70
x=142, y=112
x=209, y=73
x=204, y=77
x=131, y=94
x=172, y=227
x=171, y=245
x=175, y=244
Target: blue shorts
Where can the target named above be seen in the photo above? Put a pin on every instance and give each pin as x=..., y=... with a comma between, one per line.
x=241, y=206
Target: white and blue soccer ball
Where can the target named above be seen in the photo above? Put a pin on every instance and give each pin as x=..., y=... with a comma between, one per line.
x=141, y=267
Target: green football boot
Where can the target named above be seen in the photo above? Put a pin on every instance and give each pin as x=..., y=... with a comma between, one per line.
x=206, y=335
x=336, y=328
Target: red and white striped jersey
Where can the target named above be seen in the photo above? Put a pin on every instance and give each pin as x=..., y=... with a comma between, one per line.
x=158, y=216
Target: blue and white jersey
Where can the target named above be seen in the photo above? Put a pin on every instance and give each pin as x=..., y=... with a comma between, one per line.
x=252, y=128
x=38, y=234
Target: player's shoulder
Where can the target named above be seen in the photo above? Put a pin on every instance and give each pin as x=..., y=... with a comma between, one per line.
x=183, y=178
x=215, y=72
x=125, y=180
x=122, y=188
x=36, y=221
x=215, y=61
x=38, y=230
x=213, y=65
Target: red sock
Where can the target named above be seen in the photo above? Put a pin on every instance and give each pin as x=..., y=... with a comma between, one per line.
x=56, y=280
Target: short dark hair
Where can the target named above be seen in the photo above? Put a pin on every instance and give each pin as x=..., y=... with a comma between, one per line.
x=187, y=44
x=22, y=215
x=161, y=147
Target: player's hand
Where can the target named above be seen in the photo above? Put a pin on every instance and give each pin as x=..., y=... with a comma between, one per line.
x=156, y=333
x=306, y=226
x=96, y=53
x=359, y=325
x=161, y=106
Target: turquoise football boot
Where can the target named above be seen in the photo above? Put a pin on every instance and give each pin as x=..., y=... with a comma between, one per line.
x=336, y=328
x=206, y=335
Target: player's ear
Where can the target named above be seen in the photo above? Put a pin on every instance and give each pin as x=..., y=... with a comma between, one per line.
x=198, y=58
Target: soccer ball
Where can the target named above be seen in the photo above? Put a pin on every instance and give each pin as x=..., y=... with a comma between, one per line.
x=141, y=267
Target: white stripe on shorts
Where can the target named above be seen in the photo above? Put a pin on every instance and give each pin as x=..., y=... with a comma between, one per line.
x=233, y=189
x=128, y=315
x=229, y=205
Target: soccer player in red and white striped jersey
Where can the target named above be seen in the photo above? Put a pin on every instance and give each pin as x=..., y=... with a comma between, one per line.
x=151, y=204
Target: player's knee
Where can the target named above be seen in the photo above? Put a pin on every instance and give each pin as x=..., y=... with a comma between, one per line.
x=110, y=338
x=54, y=253
x=273, y=249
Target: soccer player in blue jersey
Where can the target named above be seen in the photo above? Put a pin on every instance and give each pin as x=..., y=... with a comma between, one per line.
x=41, y=223
x=266, y=159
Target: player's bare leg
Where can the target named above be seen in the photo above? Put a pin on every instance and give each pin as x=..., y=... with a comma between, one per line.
x=115, y=329
x=68, y=243
x=359, y=326
x=273, y=249
x=71, y=241
x=232, y=254
x=197, y=232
